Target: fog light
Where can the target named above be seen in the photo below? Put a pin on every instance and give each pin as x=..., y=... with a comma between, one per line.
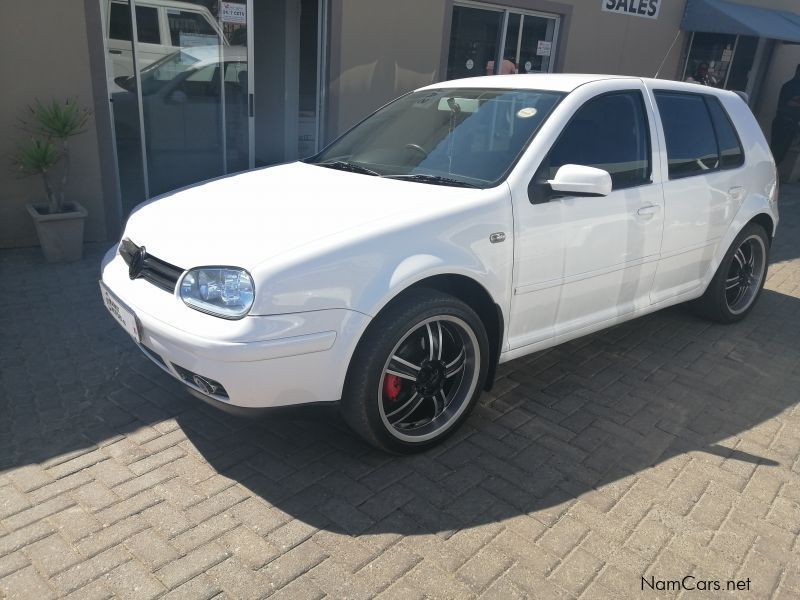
x=206, y=385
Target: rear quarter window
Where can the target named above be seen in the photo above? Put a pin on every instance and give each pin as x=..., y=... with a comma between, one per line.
x=730, y=147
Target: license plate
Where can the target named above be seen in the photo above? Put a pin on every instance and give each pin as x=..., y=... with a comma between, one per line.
x=121, y=313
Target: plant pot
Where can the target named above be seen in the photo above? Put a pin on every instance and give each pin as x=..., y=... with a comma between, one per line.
x=60, y=234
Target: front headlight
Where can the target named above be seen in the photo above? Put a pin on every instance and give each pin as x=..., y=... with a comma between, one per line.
x=225, y=292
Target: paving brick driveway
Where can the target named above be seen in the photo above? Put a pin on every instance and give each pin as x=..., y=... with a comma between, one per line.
x=665, y=447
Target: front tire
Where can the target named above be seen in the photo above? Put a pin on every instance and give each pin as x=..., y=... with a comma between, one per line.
x=417, y=372
x=738, y=282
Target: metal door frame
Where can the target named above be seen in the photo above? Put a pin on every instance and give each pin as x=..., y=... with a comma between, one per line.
x=251, y=89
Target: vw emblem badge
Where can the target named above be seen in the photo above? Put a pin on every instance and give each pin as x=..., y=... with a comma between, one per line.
x=137, y=263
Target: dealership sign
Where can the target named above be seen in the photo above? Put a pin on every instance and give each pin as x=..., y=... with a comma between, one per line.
x=637, y=8
x=233, y=12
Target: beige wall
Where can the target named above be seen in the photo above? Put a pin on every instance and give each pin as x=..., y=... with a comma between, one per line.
x=45, y=55
x=604, y=42
x=386, y=48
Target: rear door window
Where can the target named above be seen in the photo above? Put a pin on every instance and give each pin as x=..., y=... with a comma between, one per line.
x=691, y=140
x=609, y=132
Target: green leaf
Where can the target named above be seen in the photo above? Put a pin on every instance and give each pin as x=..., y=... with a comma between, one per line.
x=36, y=157
x=59, y=120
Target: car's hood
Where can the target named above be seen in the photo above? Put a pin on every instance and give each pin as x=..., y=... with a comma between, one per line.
x=246, y=219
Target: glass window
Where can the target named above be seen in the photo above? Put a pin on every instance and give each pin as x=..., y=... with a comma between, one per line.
x=147, y=25
x=691, y=143
x=536, y=44
x=609, y=132
x=730, y=149
x=466, y=135
x=190, y=28
x=119, y=23
x=475, y=35
x=474, y=38
x=709, y=58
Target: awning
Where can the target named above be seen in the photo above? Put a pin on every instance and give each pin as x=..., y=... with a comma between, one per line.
x=720, y=16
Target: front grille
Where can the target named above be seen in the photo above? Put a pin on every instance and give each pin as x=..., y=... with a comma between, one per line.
x=156, y=271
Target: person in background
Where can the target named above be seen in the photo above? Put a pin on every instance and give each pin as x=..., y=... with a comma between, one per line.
x=700, y=75
x=507, y=67
x=787, y=118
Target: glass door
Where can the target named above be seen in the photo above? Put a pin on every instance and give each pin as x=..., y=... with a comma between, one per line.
x=485, y=40
x=536, y=44
x=474, y=40
x=182, y=89
x=120, y=71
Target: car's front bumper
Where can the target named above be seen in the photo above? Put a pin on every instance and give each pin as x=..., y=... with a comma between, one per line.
x=260, y=361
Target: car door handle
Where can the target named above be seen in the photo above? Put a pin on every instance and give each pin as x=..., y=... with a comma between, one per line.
x=736, y=192
x=648, y=211
x=115, y=51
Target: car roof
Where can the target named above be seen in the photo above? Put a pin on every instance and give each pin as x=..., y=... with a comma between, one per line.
x=565, y=82
x=558, y=82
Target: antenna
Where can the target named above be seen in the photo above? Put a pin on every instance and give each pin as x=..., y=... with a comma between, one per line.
x=663, y=60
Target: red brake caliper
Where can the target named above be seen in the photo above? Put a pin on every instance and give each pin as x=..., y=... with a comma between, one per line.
x=392, y=386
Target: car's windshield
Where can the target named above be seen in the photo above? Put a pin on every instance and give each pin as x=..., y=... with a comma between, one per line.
x=472, y=136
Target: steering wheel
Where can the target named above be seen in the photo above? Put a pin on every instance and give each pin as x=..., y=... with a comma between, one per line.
x=417, y=148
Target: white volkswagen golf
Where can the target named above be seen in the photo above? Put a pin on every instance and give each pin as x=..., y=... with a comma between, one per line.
x=463, y=225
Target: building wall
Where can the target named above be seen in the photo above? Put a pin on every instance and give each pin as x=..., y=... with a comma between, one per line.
x=383, y=48
x=45, y=55
x=605, y=42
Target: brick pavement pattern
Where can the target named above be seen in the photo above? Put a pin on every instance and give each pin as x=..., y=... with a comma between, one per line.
x=664, y=447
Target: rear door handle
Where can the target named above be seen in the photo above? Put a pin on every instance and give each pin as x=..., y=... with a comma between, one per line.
x=648, y=211
x=115, y=51
x=736, y=192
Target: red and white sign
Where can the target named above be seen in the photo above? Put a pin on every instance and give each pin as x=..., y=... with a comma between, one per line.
x=233, y=12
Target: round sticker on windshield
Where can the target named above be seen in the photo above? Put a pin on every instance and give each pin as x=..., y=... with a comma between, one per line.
x=528, y=65
x=526, y=113
x=470, y=64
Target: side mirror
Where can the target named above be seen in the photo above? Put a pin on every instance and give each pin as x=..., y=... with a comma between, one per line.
x=579, y=180
x=125, y=82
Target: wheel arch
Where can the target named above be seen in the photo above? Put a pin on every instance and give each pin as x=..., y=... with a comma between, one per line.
x=765, y=221
x=474, y=294
x=756, y=209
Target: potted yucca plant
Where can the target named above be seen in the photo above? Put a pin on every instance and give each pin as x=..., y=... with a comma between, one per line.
x=59, y=223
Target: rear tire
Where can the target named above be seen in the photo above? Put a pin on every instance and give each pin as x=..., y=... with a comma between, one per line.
x=417, y=372
x=737, y=284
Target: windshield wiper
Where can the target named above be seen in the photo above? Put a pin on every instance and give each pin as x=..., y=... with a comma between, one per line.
x=343, y=165
x=434, y=179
